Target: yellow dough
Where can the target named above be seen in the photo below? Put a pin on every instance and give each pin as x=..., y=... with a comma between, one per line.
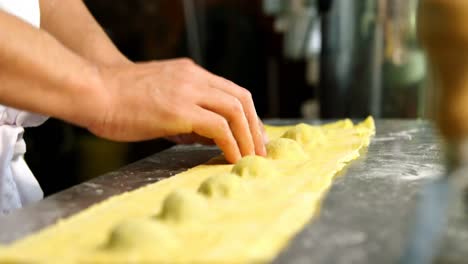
x=240, y=213
x=255, y=167
x=285, y=149
x=184, y=207
x=146, y=233
x=226, y=185
x=305, y=134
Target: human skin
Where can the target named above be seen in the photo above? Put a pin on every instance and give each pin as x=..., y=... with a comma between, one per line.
x=69, y=69
x=443, y=32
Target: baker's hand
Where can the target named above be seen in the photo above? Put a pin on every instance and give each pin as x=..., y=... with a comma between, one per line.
x=173, y=97
x=194, y=138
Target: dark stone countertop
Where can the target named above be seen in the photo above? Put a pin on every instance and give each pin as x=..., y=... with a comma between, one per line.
x=364, y=218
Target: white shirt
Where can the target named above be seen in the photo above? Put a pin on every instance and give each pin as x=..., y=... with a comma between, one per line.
x=18, y=186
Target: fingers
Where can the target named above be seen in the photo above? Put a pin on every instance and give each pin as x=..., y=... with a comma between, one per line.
x=264, y=134
x=191, y=138
x=230, y=106
x=232, y=110
x=245, y=98
x=211, y=125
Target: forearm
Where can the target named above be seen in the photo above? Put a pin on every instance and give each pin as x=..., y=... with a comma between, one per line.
x=39, y=74
x=73, y=25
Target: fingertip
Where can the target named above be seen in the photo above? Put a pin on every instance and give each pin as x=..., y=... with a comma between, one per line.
x=246, y=146
x=263, y=140
x=231, y=152
x=262, y=150
x=232, y=158
x=250, y=152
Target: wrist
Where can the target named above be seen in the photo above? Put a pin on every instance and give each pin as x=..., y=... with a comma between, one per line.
x=90, y=97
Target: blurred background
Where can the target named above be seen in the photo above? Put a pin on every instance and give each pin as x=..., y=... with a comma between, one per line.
x=299, y=59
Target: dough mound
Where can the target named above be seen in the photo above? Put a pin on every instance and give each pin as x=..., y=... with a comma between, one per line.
x=255, y=167
x=366, y=127
x=184, y=206
x=341, y=124
x=285, y=149
x=141, y=233
x=305, y=134
x=221, y=186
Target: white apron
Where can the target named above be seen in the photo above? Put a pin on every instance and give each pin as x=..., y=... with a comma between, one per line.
x=18, y=186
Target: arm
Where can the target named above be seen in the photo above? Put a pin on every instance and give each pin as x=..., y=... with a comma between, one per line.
x=72, y=24
x=38, y=74
x=114, y=98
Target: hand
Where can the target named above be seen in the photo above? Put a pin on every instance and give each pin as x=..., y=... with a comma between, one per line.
x=194, y=138
x=173, y=97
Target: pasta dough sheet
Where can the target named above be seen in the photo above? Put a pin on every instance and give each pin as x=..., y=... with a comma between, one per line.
x=239, y=213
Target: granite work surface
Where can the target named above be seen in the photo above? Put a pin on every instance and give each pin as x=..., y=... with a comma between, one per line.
x=364, y=218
